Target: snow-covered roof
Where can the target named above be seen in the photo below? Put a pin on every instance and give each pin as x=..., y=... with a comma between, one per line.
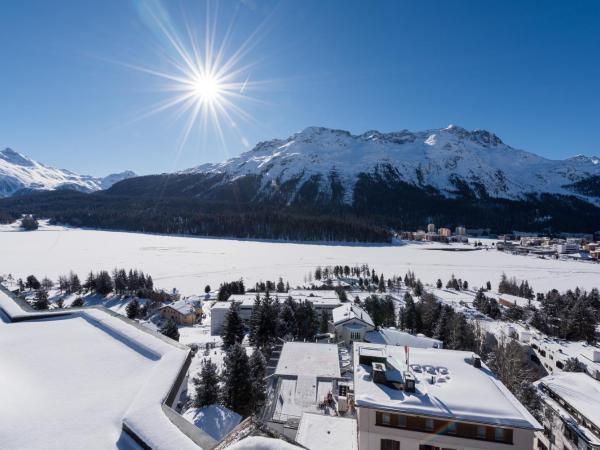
x=348, y=311
x=304, y=358
x=184, y=306
x=571, y=396
x=579, y=390
x=262, y=443
x=457, y=392
x=323, y=432
x=392, y=336
x=216, y=420
x=95, y=371
x=317, y=298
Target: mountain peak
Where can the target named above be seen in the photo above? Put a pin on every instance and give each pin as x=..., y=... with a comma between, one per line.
x=13, y=157
x=18, y=173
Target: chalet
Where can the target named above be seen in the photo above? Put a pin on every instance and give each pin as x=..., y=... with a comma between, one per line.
x=183, y=312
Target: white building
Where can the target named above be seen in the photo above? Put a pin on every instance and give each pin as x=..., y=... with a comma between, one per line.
x=553, y=353
x=305, y=377
x=432, y=400
x=351, y=322
x=572, y=412
x=324, y=301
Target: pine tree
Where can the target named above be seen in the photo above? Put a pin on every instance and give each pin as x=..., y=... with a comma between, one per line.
x=206, y=385
x=233, y=328
x=77, y=303
x=169, y=329
x=410, y=315
x=133, y=308
x=237, y=388
x=324, y=323
x=488, y=286
x=287, y=318
x=41, y=300
x=439, y=284
x=257, y=365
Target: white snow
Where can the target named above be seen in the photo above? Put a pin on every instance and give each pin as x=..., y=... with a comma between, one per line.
x=457, y=391
x=304, y=358
x=321, y=432
x=189, y=263
x=579, y=390
x=20, y=172
x=71, y=382
x=216, y=420
x=432, y=157
x=262, y=443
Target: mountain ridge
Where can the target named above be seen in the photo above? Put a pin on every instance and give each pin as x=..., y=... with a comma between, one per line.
x=448, y=160
x=20, y=174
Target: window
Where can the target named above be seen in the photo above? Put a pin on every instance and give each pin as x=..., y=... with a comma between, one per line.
x=401, y=421
x=428, y=447
x=388, y=444
x=386, y=420
x=451, y=428
x=481, y=432
x=499, y=434
x=429, y=424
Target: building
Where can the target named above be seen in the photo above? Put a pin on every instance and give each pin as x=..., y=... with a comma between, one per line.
x=350, y=323
x=432, y=399
x=460, y=231
x=324, y=302
x=431, y=228
x=307, y=379
x=391, y=336
x=572, y=412
x=445, y=232
x=567, y=247
x=183, y=312
x=553, y=353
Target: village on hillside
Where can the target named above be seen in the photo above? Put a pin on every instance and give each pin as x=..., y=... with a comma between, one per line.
x=351, y=359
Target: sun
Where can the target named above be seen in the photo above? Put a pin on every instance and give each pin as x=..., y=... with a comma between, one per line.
x=205, y=79
x=207, y=88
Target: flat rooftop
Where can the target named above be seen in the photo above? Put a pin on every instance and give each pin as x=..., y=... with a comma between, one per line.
x=459, y=390
x=392, y=336
x=303, y=358
x=72, y=381
x=320, y=432
x=579, y=390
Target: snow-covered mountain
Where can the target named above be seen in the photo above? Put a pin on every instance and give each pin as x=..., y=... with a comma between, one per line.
x=450, y=161
x=19, y=173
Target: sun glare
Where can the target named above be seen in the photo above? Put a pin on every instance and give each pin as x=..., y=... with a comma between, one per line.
x=206, y=88
x=206, y=82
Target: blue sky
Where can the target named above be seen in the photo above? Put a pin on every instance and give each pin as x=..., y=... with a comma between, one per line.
x=527, y=70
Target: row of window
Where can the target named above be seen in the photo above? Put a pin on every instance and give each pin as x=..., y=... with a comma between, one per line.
x=390, y=444
x=445, y=427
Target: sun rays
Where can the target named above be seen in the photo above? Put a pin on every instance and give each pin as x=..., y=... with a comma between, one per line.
x=206, y=80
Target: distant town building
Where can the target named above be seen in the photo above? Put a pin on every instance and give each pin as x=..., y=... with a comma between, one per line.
x=460, y=231
x=431, y=228
x=430, y=399
x=183, y=312
x=445, y=232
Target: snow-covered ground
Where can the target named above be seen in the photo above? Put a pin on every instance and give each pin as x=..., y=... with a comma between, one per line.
x=71, y=382
x=189, y=263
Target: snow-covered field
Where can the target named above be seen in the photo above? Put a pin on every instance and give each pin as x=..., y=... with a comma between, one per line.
x=189, y=263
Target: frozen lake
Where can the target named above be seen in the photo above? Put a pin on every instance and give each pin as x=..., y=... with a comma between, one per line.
x=189, y=263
